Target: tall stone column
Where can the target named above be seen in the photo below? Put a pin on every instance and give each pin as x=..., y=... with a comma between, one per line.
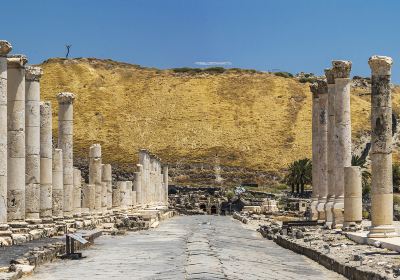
x=315, y=148
x=352, y=196
x=58, y=184
x=341, y=72
x=16, y=139
x=88, y=199
x=5, y=48
x=77, y=192
x=95, y=173
x=381, y=148
x=65, y=142
x=46, y=162
x=32, y=143
x=331, y=148
x=137, y=185
x=106, y=178
x=144, y=161
x=165, y=181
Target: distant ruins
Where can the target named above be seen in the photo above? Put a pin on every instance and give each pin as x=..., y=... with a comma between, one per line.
x=40, y=189
x=337, y=188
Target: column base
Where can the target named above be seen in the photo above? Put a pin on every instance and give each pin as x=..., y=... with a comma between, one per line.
x=329, y=213
x=338, y=215
x=383, y=231
x=352, y=226
x=321, y=211
x=33, y=221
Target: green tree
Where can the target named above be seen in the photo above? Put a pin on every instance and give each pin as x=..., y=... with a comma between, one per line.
x=396, y=176
x=299, y=174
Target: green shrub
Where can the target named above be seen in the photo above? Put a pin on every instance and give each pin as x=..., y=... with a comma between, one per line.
x=214, y=70
x=308, y=80
x=284, y=74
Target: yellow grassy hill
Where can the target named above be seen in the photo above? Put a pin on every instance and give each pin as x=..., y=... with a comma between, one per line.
x=254, y=120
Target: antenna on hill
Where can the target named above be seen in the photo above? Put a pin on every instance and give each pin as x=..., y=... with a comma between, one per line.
x=68, y=48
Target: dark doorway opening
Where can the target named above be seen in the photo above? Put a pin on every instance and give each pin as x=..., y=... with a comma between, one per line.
x=203, y=207
x=213, y=209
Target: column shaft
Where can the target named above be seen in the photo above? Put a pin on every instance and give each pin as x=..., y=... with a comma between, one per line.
x=106, y=178
x=315, y=140
x=46, y=161
x=352, y=196
x=165, y=181
x=77, y=192
x=95, y=174
x=58, y=184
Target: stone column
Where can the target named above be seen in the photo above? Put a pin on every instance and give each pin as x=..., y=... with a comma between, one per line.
x=144, y=162
x=32, y=143
x=128, y=194
x=134, y=201
x=16, y=139
x=95, y=173
x=58, y=184
x=116, y=196
x=165, y=181
x=106, y=178
x=331, y=148
x=381, y=148
x=88, y=199
x=352, y=196
x=137, y=185
x=315, y=139
x=341, y=72
x=77, y=192
x=65, y=142
x=5, y=48
x=46, y=162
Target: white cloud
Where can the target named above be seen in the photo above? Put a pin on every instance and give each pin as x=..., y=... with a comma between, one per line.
x=213, y=63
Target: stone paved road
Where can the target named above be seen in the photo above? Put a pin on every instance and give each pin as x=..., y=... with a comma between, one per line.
x=187, y=247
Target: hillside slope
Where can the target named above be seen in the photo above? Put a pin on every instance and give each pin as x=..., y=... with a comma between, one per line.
x=253, y=120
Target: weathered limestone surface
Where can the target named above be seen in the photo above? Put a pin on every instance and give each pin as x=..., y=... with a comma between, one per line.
x=77, y=192
x=116, y=197
x=5, y=48
x=137, y=185
x=331, y=148
x=32, y=143
x=315, y=141
x=65, y=142
x=134, y=201
x=144, y=161
x=16, y=138
x=352, y=196
x=46, y=161
x=58, y=185
x=88, y=199
x=165, y=182
x=381, y=148
x=125, y=195
x=341, y=72
x=106, y=178
x=95, y=174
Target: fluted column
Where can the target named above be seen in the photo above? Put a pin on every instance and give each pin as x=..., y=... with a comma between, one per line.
x=46, y=159
x=32, y=143
x=77, y=192
x=331, y=148
x=16, y=138
x=58, y=184
x=341, y=72
x=165, y=182
x=381, y=148
x=65, y=142
x=5, y=48
x=95, y=173
x=315, y=139
x=106, y=178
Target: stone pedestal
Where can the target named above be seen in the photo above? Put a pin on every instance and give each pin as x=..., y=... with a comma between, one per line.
x=341, y=72
x=95, y=174
x=32, y=143
x=315, y=139
x=331, y=148
x=352, y=196
x=58, y=185
x=16, y=138
x=106, y=178
x=77, y=192
x=5, y=48
x=65, y=142
x=381, y=148
x=46, y=162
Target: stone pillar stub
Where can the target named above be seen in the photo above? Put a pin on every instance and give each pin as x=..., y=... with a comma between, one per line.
x=381, y=148
x=106, y=178
x=65, y=142
x=77, y=192
x=352, y=196
x=58, y=185
x=46, y=161
x=5, y=48
x=341, y=72
x=95, y=177
x=16, y=138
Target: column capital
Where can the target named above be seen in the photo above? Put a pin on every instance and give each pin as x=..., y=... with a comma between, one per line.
x=33, y=73
x=341, y=68
x=330, y=78
x=380, y=65
x=17, y=60
x=65, y=98
x=319, y=87
x=5, y=47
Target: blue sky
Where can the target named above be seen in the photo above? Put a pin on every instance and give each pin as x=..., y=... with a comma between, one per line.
x=287, y=35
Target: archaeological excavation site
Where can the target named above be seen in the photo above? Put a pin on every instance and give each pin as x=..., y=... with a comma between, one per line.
x=199, y=139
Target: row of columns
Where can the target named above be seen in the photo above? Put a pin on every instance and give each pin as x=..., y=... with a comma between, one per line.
x=337, y=187
x=38, y=182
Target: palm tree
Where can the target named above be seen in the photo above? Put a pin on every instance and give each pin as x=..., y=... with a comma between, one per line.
x=299, y=174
